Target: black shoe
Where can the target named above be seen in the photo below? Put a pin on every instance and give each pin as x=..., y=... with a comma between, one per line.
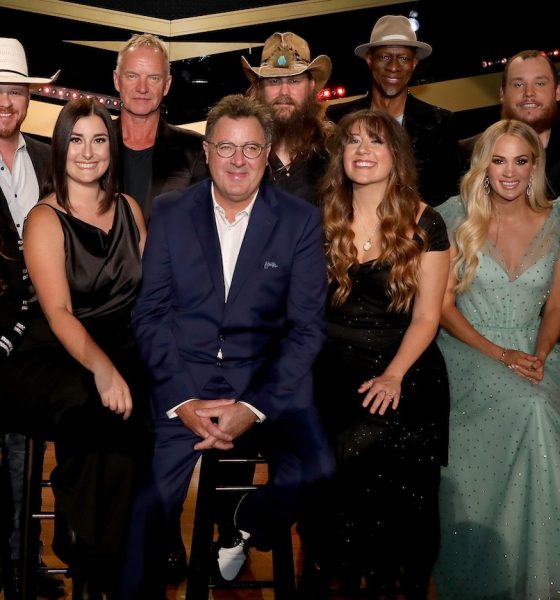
x=176, y=566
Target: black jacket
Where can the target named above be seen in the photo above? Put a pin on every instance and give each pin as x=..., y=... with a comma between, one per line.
x=433, y=140
x=178, y=161
x=553, y=160
x=17, y=302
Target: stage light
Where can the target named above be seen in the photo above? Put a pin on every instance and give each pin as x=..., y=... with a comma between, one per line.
x=66, y=94
x=414, y=22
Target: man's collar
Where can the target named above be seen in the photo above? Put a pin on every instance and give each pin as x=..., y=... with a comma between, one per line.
x=220, y=208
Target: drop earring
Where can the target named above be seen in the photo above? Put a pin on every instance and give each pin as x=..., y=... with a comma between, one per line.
x=487, y=185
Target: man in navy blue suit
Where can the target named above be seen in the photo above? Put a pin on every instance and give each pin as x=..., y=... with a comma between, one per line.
x=229, y=321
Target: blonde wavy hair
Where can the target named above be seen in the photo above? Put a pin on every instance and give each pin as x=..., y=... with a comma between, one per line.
x=472, y=233
x=397, y=212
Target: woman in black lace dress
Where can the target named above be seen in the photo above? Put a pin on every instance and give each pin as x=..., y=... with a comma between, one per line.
x=76, y=376
x=381, y=380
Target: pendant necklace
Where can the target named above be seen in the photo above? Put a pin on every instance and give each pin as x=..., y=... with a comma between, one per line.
x=368, y=243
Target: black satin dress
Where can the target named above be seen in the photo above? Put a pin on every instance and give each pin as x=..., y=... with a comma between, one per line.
x=99, y=455
x=384, y=519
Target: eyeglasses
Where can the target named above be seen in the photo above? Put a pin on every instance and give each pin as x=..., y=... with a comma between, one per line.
x=227, y=149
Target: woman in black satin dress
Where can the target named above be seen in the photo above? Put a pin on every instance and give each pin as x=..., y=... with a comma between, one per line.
x=381, y=383
x=76, y=375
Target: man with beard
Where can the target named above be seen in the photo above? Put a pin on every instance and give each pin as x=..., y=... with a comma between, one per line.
x=529, y=92
x=288, y=81
x=24, y=162
x=392, y=55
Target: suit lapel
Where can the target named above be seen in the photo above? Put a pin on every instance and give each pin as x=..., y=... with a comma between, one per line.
x=205, y=227
x=261, y=224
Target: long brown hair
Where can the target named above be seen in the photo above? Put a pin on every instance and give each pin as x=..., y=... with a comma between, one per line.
x=397, y=212
x=58, y=179
x=307, y=133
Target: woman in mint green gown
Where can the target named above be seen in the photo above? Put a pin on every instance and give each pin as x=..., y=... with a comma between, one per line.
x=500, y=494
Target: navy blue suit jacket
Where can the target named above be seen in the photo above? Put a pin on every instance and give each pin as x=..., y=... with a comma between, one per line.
x=272, y=325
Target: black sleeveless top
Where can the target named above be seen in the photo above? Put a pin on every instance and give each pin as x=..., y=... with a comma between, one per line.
x=104, y=270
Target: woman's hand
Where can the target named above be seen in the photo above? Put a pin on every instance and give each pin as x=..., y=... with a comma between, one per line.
x=527, y=366
x=382, y=392
x=113, y=390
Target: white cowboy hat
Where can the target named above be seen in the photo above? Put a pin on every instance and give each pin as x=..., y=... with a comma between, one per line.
x=13, y=65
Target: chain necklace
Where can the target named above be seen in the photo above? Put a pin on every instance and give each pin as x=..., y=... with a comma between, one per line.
x=368, y=243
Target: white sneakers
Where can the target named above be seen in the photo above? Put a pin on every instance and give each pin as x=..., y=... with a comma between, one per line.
x=232, y=558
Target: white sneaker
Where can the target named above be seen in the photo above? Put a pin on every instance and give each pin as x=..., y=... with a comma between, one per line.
x=232, y=558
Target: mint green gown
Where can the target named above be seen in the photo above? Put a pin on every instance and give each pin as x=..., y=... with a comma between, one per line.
x=500, y=494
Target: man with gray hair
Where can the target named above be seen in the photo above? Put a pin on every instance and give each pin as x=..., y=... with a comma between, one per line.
x=229, y=320
x=155, y=156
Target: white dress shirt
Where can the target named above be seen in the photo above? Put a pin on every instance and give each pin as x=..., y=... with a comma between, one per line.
x=231, y=235
x=20, y=185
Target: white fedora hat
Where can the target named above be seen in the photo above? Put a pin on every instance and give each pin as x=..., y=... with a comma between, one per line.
x=13, y=65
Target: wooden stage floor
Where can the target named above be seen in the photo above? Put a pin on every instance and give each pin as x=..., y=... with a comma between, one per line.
x=259, y=564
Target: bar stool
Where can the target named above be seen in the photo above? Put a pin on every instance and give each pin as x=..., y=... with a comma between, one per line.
x=31, y=512
x=200, y=581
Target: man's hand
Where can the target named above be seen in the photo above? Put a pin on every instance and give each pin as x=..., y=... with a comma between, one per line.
x=211, y=433
x=233, y=420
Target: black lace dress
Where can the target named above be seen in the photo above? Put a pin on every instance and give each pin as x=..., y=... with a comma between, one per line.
x=48, y=393
x=383, y=517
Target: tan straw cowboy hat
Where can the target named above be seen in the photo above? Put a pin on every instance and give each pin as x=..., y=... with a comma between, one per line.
x=286, y=54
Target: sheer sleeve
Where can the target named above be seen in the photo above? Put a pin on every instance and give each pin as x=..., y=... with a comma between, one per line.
x=453, y=212
x=432, y=222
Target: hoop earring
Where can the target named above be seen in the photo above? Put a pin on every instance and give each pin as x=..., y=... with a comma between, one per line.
x=487, y=185
x=529, y=191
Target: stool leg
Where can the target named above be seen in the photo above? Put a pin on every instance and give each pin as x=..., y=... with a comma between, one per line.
x=203, y=530
x=31, y=502
x=283, y=567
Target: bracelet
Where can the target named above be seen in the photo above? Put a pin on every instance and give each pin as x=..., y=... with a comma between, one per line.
x=503, y=355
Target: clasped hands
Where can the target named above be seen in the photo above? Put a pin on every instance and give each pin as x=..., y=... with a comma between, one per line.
x=217, y=422
x=527, y=366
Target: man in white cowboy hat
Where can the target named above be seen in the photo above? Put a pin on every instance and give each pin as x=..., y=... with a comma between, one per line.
x=289, y=81
x=392, y=55
x=23, y=167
